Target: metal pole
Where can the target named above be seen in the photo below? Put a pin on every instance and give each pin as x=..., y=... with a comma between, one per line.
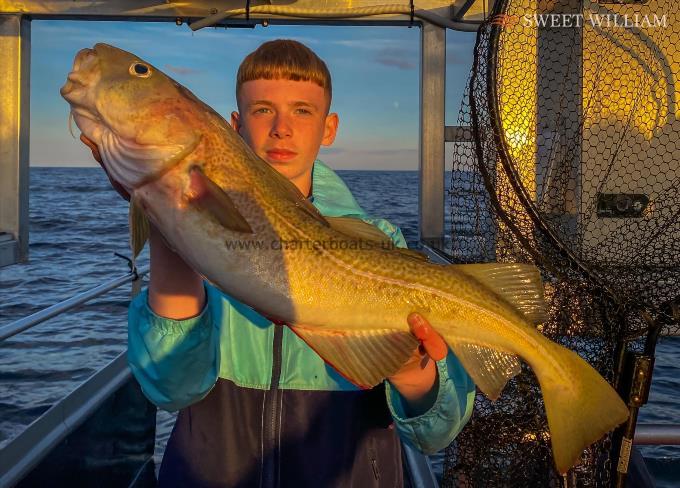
x=559, y=118
x=136, y=285
x=432, y=126
x=657, y=435
x=636, y=381
x=15, y=62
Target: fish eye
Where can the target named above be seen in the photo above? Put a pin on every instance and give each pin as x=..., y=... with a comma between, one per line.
x=140, y=70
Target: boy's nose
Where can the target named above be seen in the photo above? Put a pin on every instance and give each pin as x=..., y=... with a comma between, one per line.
x=281, y=128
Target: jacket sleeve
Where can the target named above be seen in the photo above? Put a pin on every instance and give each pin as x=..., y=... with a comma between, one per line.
x=176, y=362
x=435, y=429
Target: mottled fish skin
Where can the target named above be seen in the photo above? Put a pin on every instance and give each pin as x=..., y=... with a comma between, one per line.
x=154, y=132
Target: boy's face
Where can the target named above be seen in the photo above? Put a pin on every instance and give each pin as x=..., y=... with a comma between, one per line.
x=285, y=122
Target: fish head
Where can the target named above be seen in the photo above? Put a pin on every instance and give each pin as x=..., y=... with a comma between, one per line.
x=142, y=121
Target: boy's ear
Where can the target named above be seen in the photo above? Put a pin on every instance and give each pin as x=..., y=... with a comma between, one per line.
x=236, y=121
x=330, y=129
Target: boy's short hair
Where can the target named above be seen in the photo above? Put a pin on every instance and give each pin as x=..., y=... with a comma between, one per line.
x=284, y=59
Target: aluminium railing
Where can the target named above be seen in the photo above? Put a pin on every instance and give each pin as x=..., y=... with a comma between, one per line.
x=27, y=449
x=25, y=323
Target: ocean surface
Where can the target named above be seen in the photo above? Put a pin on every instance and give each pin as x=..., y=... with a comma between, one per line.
x=77, y=222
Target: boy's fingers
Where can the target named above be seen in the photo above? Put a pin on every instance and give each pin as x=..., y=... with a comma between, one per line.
x=430, y=340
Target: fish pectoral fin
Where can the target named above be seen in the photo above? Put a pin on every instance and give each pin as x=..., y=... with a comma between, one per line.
x=519, y=284
x=363, y=357
x=139, y=227
x=363, y=231
x=207, y=195
x=489, y=368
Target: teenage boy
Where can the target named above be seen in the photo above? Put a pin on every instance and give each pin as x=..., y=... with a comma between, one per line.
x=257, y=406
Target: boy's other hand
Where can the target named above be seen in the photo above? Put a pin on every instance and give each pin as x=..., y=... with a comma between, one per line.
x=417, y=380
x=95, y=154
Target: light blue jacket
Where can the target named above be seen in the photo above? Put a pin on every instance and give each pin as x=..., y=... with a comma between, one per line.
x=177, y=362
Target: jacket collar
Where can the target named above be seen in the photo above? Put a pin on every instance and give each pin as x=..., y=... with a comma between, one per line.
x=330, y=194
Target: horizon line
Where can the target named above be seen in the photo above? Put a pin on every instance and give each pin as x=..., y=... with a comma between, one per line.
x=339, y=169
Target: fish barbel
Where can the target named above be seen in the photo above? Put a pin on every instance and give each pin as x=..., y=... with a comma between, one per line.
x=193, y=177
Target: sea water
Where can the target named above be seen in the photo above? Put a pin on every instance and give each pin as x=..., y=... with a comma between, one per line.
x=77, y=223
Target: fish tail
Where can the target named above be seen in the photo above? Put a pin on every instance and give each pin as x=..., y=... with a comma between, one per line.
x=580, y=405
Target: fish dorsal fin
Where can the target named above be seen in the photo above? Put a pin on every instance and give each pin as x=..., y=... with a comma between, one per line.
x=519, y=284
x=363, y=357
x=363, y=231
x=209, y=197
x=489, y=368
x=413, y=254
x=360, y=230
x=139, y=227
x=291, y=192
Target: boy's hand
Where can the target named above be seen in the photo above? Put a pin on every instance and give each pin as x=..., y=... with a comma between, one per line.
x=95, y=154
x=417, y=380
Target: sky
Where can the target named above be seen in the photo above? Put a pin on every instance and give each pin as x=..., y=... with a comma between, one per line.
x=375, y=72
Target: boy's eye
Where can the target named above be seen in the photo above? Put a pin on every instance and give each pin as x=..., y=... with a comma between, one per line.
x=303, y=111
x=261, y=110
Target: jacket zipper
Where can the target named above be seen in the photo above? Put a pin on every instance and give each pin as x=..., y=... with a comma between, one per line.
x=373, y=455
x=272, y=408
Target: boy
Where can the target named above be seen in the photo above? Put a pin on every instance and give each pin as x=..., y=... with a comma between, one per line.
x=257, y=406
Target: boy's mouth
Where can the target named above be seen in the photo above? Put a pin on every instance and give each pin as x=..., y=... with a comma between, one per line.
x=280, y=154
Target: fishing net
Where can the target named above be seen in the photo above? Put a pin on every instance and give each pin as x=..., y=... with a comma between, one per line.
x=575, y=167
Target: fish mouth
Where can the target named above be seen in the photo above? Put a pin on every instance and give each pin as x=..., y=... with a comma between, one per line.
x=79, y=92
x=128, y=162
x=83, y=76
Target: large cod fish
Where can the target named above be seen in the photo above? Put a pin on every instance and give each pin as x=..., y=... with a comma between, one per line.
x=194, y=178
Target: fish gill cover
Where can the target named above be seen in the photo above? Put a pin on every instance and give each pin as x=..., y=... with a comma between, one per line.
x=572, y=110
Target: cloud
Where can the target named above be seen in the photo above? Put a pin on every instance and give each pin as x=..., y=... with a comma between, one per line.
x=404, y=55
x=368, y=44
x=403, y=64
x=181, y=70
x=149, y=41
x=396, y=58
